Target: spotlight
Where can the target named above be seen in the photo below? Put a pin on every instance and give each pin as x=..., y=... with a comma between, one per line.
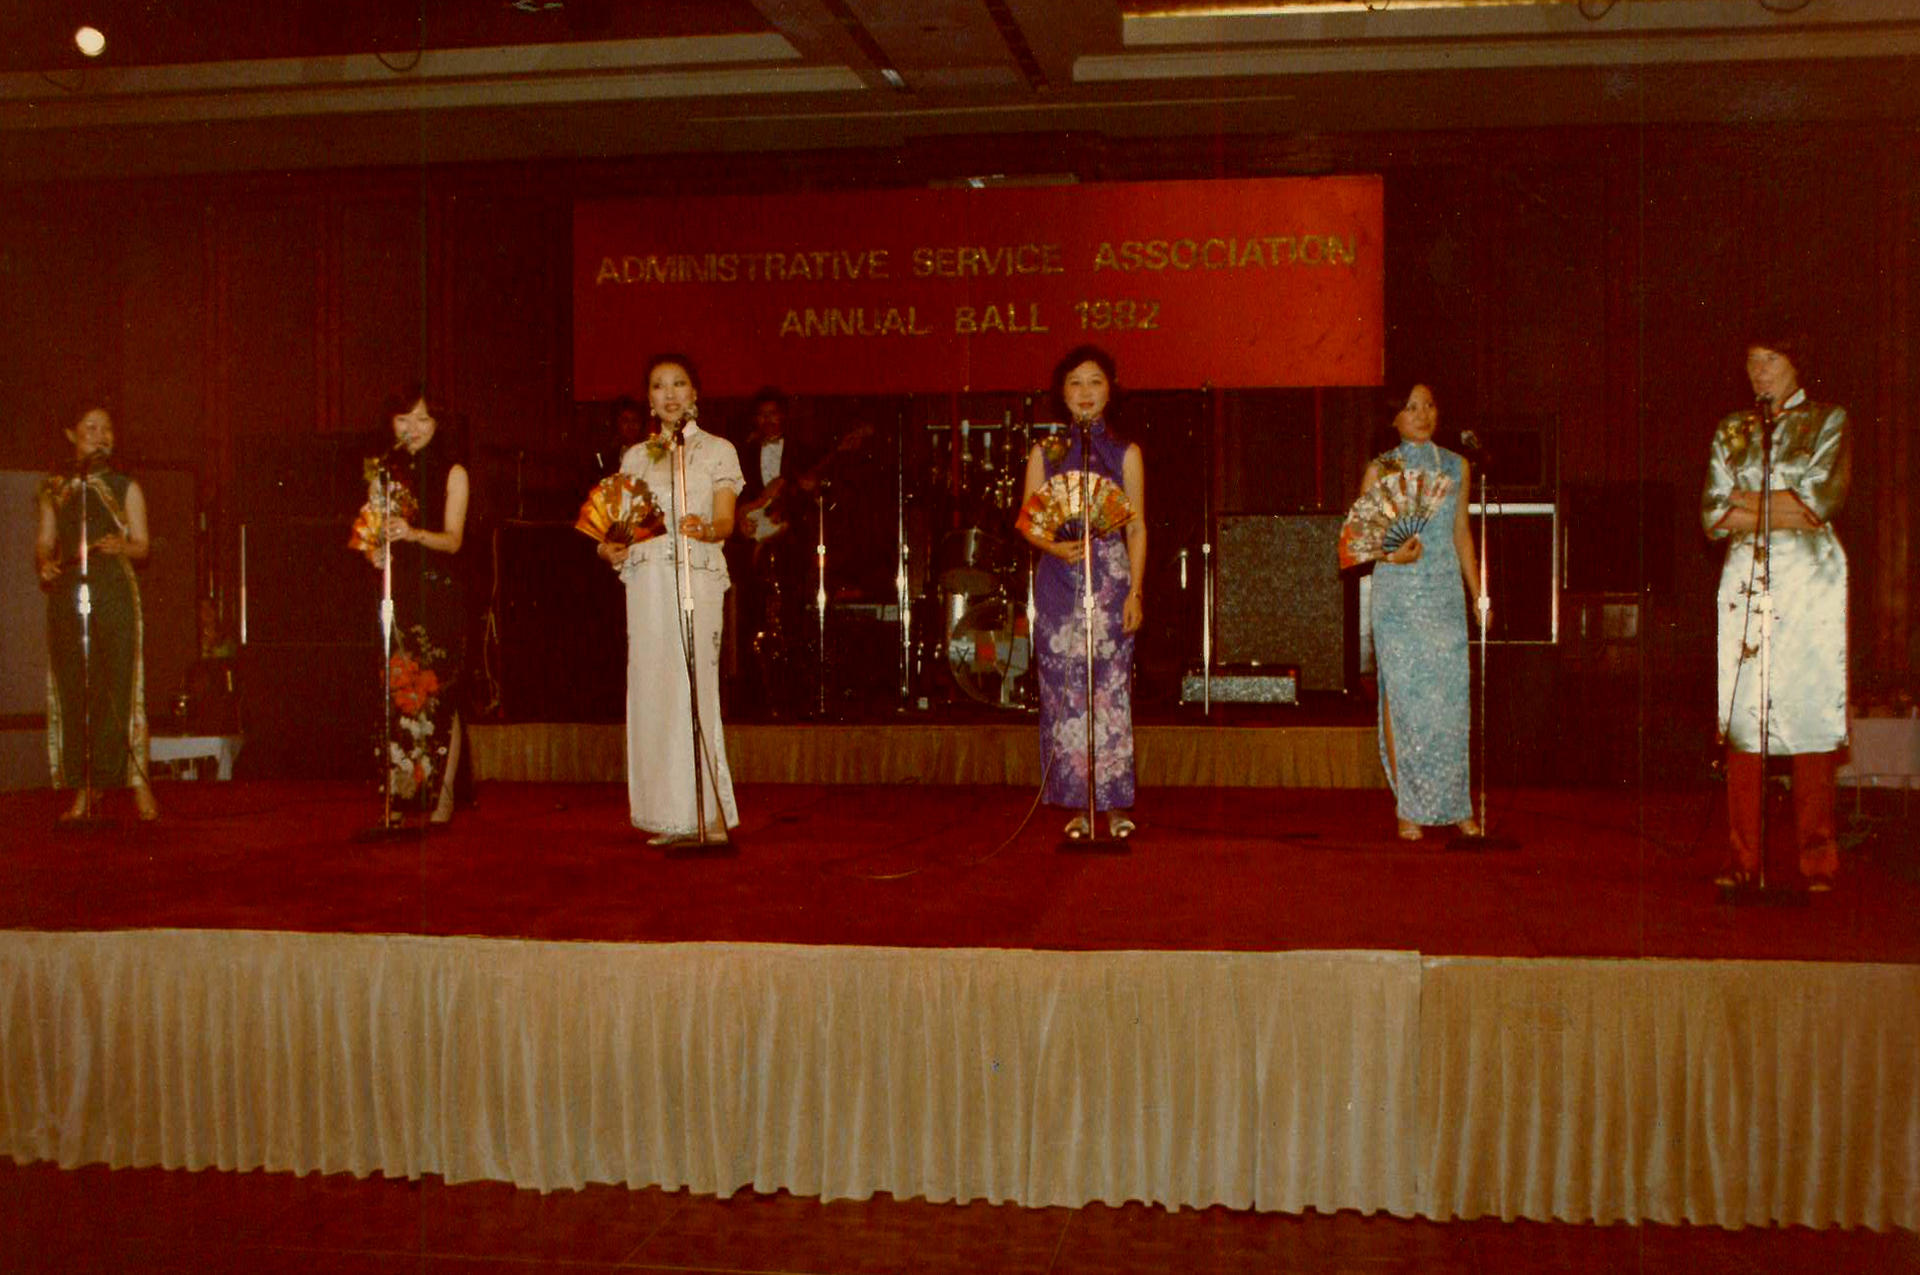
x=90, y=41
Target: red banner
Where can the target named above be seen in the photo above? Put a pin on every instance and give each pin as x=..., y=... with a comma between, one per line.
x=1267, y=282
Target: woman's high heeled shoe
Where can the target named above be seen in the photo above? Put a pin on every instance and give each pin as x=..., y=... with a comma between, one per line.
x=1078, y=829
x=1409, y=830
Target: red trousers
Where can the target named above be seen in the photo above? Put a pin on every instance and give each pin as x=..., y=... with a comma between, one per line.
x=1812, y=811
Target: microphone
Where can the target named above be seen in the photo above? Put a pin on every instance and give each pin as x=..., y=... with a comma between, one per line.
x=90, y=462
x=1470, y=441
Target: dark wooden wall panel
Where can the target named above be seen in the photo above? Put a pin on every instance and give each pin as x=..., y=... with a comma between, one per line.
x=59, y=281
x=269, y=360
x=1433, y=302
x=381, y=329
x=508, y=346
x=163, y=319
x=1542, y=233
x=1596, y=278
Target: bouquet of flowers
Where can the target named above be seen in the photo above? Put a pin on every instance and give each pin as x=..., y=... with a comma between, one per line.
x=388, y=497
x=1391, y=512
x=1054, y=510
x=620, y=509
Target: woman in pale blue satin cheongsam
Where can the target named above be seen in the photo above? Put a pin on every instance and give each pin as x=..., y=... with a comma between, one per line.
x=1807, y=712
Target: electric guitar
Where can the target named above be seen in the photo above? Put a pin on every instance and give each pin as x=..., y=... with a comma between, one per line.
x=767, y=517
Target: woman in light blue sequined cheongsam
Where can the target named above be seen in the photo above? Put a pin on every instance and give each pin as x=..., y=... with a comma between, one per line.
x=1420, y=636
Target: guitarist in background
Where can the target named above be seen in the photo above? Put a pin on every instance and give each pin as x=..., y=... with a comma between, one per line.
x=775, y=527
x=768, y=569
x=770, y=463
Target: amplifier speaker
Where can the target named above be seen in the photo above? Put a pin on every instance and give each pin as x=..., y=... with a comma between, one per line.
x=1520, y=572
x=310, y=711
x=1248, y=684
x=1279, y=598
x=309, y=676
x=1619, y=537
x=563, y=627
x=1521, y=460
x=304, y=586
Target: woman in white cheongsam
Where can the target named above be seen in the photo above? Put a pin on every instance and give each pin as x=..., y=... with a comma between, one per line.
x=661, y=732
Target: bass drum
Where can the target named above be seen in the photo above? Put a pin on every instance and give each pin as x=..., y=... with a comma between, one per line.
x=972, y=561
x=989, y=649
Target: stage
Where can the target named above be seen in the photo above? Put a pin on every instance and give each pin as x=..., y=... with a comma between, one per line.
x=1325, y=746
x=1268, y=1002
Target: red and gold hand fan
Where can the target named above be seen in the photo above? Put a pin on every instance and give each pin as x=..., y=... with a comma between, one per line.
x=1053, y=511
x=620, y=509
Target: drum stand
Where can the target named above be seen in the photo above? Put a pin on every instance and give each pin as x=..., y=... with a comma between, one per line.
x=697, y=844
x=1094, y=842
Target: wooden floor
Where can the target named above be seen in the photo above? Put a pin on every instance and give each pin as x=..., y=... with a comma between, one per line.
x=208, y=1223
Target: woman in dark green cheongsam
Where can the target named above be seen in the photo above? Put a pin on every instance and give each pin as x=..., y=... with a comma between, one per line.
x=96, y=694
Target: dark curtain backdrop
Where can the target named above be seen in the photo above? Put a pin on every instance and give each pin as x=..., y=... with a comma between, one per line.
x=1592, y=284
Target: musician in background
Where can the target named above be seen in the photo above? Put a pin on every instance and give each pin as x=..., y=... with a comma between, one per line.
x=767, y=559
x=630, y=424
x=768, y=462
x=1807, y=714
x=109, y=666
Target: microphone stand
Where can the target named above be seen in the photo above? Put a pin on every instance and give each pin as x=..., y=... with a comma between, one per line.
x=901, y=598
x=1093, y=840
x=1759, y=891
x=1483, y=607
x=683, y=572
x=90, y=820
x=1210, y=428
x=388, y=827
x=820, y=597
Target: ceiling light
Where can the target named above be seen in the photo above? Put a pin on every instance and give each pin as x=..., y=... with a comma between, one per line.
x=90, y=41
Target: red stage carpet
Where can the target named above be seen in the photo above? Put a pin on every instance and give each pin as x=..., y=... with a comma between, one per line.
x=1600, y=875
x=1268, y=1003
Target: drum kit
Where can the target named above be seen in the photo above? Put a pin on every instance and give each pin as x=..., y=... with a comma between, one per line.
x=983, y=569
x=960, y=600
